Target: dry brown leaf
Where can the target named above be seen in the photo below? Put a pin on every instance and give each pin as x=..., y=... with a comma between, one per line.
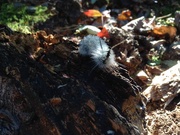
x=153, y=70
x=125, y=15
x=93, y=13
x=39, y=51
x=164, y=31
x=40, y=34
x=56, y=101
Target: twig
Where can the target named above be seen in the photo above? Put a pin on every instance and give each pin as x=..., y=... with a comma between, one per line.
x=119, y=43
x=162, y=17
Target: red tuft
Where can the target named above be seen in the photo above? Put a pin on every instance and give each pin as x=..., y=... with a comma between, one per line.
x=103, y=33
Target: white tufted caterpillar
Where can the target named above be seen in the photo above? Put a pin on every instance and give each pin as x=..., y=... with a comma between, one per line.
x=102, y=55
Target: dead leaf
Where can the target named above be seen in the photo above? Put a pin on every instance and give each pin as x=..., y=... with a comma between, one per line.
x=93, y=30
x=39, y=51
x=103, y=33
x=40, y=34
x=125, y=15
x=93, y=13
x=153, y=70
x=164, y=31
x=56, y=101
x=50, y=39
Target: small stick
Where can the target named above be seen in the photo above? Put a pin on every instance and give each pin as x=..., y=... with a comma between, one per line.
x=165, y=16
x=119, y=43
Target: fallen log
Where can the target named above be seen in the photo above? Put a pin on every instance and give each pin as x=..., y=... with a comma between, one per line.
x=70, y=100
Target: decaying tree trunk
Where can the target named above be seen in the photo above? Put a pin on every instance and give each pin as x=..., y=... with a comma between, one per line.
x=74, y=100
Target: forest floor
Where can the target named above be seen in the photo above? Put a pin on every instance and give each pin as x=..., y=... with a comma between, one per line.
x=153, y=47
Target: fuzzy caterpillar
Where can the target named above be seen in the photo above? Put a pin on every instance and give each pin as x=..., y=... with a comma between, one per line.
x=98, y=50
